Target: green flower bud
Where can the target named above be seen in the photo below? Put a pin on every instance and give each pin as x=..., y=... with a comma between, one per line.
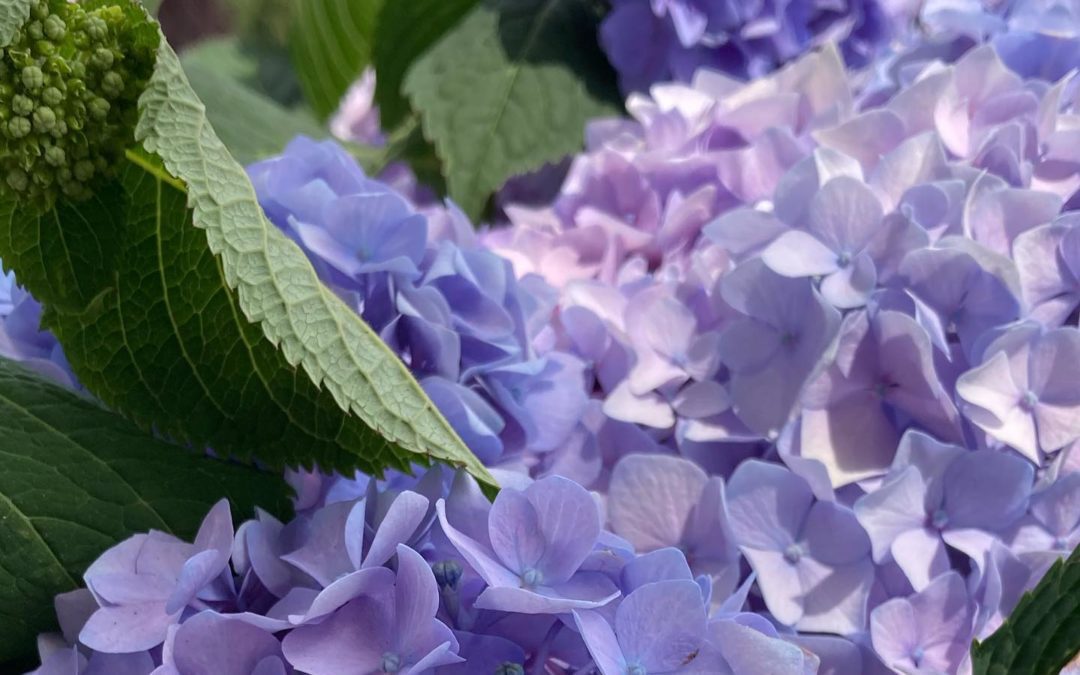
x=55, y=156
x=44, y=119
x=21, y=105
x=99, y=108
x=96, y=28
x=69, y=87
x=18, y=180
x=43, y=177
x=19, y=127
x=103, y=58
x=32, y=78
x=112, y=84
x=55, y=28
x=52, y=96
x=84, y=170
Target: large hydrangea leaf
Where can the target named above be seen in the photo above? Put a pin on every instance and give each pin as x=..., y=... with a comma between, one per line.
x=508, y=89
x=1043, y=632
x=331, y=41
x=76, y=479
x=405, y=31
x=220, y=334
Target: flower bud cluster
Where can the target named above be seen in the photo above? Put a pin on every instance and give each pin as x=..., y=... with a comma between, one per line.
x=69, y=85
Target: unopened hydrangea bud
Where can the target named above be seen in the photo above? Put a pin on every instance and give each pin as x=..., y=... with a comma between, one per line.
x=69, y=87
x=55, y=28
x=52, y=96
x=32, y=78
x=21, y=105
x=84, y=170
x=44, y=119
x=112, y=84
x=96, y=28
x=19, y=127
x=55, y=156
x=18, y=180
x=99, y=108
x=103, y=58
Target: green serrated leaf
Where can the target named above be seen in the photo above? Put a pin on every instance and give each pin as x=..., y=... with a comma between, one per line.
x=205, y=321
x=331, y=42
x=509, y=89
x=253, y=126
x=405, y=31
x=13, y=14
x=1043, y=632
x=76, y=479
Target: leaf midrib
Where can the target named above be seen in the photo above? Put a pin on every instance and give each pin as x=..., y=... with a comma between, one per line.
x=517, y=59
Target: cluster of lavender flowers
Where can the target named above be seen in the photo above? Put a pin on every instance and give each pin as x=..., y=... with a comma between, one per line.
x=784, y=381
x=21, y=337
x=652, y=41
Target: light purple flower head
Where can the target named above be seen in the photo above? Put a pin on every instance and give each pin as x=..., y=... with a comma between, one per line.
x=1024, y=393
x=651, y=41
x=811, y=557
x=536, y=541
x=930, y=631
x=144, y=584
x=21, y=336
x=391, y=629
x=934, y=496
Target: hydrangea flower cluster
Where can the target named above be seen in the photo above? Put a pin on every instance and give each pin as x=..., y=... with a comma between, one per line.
x=783, y=381
x=650, y=41
x=21, y=336
x=72, y=76
x=453, y=311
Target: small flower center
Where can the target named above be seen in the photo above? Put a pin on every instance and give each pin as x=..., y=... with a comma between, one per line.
x=789, y=339
x=447, y=573
x=1029, y=400
x=793, y=553
x=630, y=218
x=531, y=578
x=510, y=668
x=843, y=259
x=391, y=662
x=917, y=655
x=1061, y=544
x=636, y=669
x=940, y=519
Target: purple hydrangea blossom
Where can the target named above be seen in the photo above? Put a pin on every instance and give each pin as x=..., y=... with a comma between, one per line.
x=21, y=336
x=652, y=41
x=936, y=494
x=928, y=631
x=756, y=382
x=811, y=557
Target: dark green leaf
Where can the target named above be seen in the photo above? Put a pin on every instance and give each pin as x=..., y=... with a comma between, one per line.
x=509, y=89
x=405, y=31
x=1043, y=633
x=251, y=125
x=331, y=42
x=76, y=479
